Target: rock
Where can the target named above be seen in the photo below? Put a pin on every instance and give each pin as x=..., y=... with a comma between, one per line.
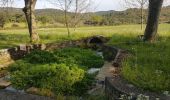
x=4, y=84
x=32, y=90
x=37, y=91
x=12, y=89
x=93, y=70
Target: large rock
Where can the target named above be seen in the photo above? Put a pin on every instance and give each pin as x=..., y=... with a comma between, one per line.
x=4, y=84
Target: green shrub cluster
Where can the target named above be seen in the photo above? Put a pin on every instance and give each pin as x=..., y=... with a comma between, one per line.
x=82, y=57
x=56, y=77
x=62, y=71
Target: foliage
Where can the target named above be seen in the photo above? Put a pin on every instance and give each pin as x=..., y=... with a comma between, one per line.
x=2, y=21
x=83, y=85
x=55, y=71
x=57, y=77
x=41, y=57
x=79, y=56
x=43, y=19
x=49, y=17
x=122, y=33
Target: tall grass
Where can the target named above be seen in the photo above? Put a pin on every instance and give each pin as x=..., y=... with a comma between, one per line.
x=13, y=37
x=148, y=67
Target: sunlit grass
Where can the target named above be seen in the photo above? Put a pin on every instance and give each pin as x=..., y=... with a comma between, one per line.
x=13, y=37
x=149, y=67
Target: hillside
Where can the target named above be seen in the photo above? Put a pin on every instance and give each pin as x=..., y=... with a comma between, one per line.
x=129, y=16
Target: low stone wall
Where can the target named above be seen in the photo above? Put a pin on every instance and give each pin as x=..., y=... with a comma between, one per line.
x=109, y=52
x=116, y=88
x=7, y=56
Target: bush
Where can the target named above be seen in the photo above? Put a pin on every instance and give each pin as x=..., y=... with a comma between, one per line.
x=2, y=21
x=40, y=57
x=83, y=85
x=58, y=78
x=79, y=56
x=62, y=71
x=15, y=25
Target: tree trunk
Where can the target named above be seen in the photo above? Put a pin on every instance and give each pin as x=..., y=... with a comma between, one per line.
x=142, y=4
x=66, y=19
x=153, y=19
x=30, y=17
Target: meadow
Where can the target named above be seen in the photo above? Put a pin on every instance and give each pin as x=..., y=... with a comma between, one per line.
x=14, y=37
x=147, y=68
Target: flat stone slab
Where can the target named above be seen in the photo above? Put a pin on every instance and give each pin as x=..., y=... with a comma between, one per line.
x=7, y=95
x=4, y=83
x=106, y=71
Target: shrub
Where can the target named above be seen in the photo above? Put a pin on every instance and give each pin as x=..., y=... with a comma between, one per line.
x=15, y=25
x=40, y=57
x=2, y=21
x=83, y=85
x=62, y=71
x=59, y=78
x=79, y=56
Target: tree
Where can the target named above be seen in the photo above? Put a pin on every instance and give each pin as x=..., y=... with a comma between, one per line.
x=30, y=17
x=2, y=21
x=138, y=3
x=4, y=14
x=81, y=7
x=78, y=7
x=153, y=19
x=64, y=5
x=6, y=3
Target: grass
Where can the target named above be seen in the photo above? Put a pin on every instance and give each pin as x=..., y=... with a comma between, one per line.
x=148, y=68
x=13, y=37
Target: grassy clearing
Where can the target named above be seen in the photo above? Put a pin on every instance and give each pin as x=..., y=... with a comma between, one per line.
x=149, y=66
x=13, y=37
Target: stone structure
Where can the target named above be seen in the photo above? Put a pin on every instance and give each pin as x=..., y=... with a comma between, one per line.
x=116, y=88
x=7, y=56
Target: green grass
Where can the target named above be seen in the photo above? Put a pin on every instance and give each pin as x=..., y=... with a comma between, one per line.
x=148, y=68
x=13, y=37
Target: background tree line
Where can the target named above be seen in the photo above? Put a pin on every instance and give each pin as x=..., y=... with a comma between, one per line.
x=55, y=17
x=154, y=10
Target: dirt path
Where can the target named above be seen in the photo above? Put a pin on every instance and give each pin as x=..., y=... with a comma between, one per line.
x=107, y=70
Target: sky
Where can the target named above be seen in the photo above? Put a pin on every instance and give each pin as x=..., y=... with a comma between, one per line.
x=97, y=5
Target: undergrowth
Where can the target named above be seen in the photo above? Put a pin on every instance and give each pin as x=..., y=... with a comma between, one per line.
x=61, y=71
